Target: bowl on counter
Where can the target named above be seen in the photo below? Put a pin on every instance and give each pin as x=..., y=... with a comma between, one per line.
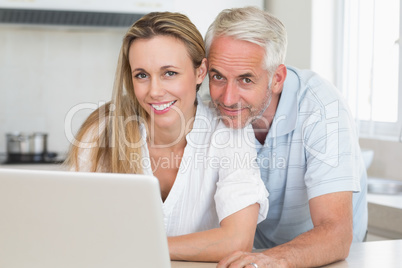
x=384, y=186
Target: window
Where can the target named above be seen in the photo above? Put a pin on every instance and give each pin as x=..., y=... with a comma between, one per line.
x=371, y=76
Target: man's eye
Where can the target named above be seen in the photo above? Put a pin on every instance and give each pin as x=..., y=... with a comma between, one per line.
x=170, y=73
x=247, y=80
x=141, y=76
x=217, y=77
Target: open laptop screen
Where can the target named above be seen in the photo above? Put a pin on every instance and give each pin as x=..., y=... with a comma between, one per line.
x=71, y=219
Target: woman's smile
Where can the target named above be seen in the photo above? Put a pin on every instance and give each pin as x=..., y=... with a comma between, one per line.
x=160, y=108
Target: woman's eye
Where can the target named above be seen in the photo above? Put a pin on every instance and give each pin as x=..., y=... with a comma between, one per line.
x=141, y=76
x=170, y=73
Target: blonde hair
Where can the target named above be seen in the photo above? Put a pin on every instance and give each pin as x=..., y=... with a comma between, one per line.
x=253, y=25
x=118, y=122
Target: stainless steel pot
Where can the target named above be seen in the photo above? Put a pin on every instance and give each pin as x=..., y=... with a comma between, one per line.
x=26, y=147
x=26, y=143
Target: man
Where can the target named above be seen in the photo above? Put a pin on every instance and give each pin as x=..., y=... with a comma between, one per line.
x=306, y=141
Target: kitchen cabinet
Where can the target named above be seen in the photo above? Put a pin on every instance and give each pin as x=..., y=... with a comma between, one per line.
x=385, y=215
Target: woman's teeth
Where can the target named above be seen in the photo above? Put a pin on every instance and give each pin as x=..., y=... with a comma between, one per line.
x=163, y=106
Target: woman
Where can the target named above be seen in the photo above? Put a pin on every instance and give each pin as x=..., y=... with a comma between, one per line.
x=155, y=124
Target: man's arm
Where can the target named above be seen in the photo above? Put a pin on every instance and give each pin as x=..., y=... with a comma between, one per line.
x=327, y=242
x=235, y=233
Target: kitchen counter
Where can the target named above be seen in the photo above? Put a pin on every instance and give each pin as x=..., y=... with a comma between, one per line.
x=41, y=166
x=385, y=214
x=369, y=254
x=373, y=254
x=54, y=165
x=393, y=201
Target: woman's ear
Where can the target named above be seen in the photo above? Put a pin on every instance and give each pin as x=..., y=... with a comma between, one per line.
x=201, y=71
x=278, y=79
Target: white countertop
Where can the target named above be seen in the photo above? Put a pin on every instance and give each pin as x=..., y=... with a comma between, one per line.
x=368, y=254
x=394, y=201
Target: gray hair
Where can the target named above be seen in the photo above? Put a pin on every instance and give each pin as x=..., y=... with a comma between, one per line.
x=253, y=25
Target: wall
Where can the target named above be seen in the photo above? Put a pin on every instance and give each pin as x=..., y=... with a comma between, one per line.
x=311, y=31
x=202, y=13
x=296, y=16
x=45, y=71
x=387, y=158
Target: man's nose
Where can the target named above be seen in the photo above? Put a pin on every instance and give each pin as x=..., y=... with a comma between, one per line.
x=230, y=94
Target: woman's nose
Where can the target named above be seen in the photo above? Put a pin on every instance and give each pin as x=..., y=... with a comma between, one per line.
x=156, y=89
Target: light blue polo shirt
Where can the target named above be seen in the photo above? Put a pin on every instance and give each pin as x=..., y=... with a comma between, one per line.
x=311, y=149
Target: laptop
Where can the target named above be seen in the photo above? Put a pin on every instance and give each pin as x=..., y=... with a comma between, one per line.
x=66, y=219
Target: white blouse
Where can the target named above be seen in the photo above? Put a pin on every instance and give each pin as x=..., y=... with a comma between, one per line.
x=218, y=176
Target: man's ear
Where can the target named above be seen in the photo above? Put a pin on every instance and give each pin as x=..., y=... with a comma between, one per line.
x=201, y=71
x=278, y=79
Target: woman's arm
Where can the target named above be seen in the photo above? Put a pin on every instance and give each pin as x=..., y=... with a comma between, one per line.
x=235, y=233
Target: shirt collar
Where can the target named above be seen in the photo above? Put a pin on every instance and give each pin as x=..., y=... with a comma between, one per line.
x=285, y=118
